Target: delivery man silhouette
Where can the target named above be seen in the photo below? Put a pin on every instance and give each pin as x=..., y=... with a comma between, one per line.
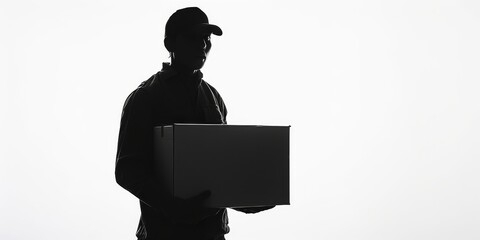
x=176, y=94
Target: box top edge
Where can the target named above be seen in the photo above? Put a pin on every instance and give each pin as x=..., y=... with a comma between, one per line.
x=226, y=125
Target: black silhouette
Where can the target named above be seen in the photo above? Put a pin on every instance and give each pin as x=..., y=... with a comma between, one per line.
x=176, y=94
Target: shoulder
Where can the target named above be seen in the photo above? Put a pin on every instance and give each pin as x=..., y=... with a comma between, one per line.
x=217, y=98
x=142, y=94
x=211, y=88
x=150, y=83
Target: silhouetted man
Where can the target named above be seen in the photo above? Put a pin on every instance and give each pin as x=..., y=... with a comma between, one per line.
x=176, y=94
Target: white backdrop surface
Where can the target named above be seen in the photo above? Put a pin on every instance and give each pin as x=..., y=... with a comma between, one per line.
x=382, y=97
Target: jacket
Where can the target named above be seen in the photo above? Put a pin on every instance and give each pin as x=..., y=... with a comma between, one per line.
x=164, y=99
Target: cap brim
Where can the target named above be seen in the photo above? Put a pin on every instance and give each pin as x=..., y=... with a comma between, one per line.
x=208, y=28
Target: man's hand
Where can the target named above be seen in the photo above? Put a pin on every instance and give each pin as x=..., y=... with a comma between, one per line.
x=253, y=209
x=192, y=210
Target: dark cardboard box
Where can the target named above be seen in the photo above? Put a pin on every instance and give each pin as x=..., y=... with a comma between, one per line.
x=241, y=165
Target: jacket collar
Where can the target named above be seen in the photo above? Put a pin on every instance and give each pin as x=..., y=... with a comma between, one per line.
x=169, y=73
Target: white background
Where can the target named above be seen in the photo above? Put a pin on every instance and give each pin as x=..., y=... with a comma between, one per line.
x=383, y=99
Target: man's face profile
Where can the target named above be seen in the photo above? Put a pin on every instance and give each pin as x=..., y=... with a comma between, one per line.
x=191, y=50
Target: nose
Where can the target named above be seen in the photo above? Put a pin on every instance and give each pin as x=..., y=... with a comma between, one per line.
x=204, y=44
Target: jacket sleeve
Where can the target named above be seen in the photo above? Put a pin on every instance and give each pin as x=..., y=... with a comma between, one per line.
x=134, y=161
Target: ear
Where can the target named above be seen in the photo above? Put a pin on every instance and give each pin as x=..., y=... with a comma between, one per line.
x=169, y=44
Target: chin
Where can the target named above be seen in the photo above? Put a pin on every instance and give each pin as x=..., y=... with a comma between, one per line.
x=198, y=65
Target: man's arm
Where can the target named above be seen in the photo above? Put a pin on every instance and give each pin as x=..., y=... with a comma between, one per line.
x=133, y=169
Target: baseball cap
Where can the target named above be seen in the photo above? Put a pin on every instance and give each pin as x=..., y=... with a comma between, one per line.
x=191, y=19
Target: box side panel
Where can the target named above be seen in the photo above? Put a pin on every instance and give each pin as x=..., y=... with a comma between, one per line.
x=286, y=180
x=163, y=158
x=240, y=165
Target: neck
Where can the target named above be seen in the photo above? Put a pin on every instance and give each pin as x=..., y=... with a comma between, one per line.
x=182, y=70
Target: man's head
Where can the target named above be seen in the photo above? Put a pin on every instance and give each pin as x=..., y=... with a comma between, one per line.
x=187, y=37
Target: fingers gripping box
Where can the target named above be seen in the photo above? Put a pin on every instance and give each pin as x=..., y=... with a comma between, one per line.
x=240, y=165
